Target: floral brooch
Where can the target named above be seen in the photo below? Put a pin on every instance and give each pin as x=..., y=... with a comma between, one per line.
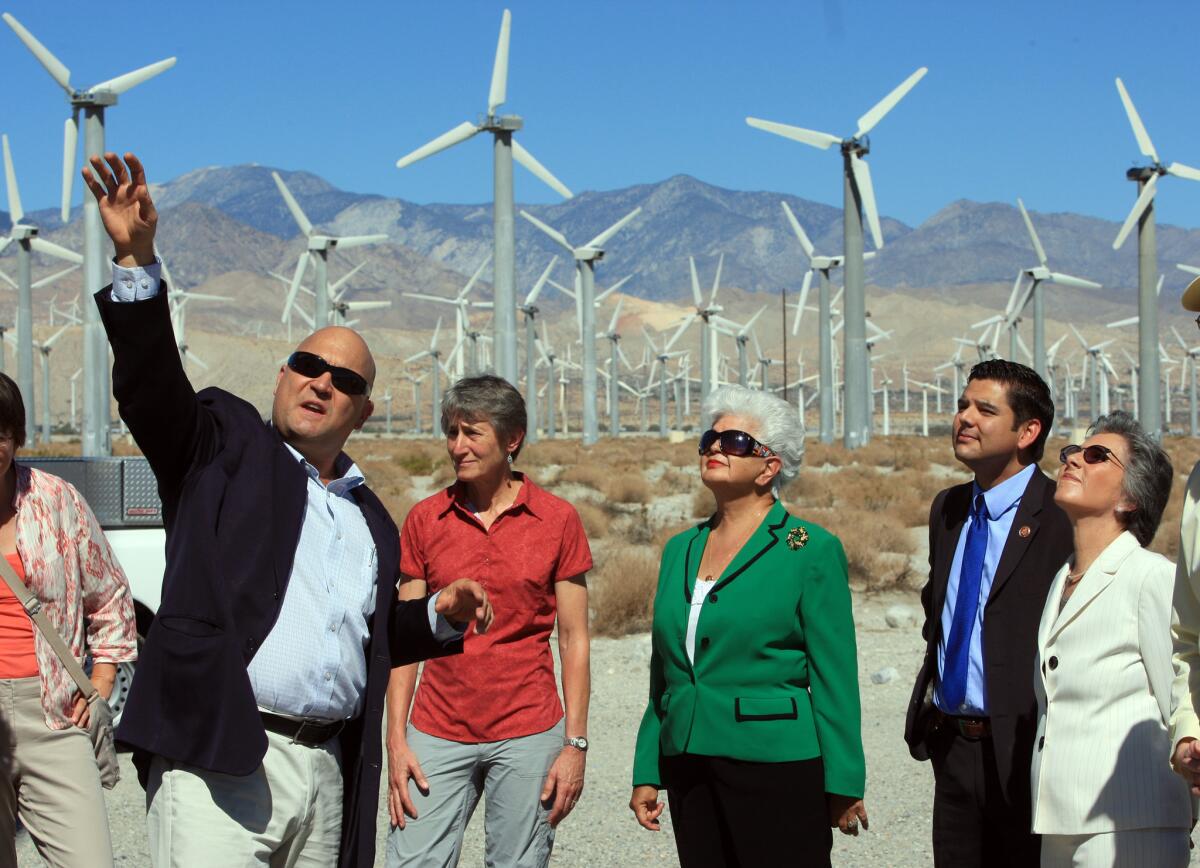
x=797, y=538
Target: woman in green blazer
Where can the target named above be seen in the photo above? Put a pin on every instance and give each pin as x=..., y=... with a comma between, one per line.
x=753, y=723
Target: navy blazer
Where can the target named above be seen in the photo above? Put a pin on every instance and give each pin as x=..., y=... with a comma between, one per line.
x=233, y=504
x=1039, y=542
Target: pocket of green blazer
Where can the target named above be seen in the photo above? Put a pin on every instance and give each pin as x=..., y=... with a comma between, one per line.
x=776, y=708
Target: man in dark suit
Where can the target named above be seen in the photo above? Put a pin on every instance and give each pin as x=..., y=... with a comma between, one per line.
x=256, y=710
x=995, y=544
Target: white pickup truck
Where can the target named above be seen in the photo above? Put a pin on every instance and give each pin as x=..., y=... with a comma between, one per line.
x=123, y=494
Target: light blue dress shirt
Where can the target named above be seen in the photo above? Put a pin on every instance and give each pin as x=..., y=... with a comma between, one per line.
x=313, y=663
x=1001, y=502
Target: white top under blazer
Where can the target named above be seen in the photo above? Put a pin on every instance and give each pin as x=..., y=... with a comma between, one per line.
x=1106, y=689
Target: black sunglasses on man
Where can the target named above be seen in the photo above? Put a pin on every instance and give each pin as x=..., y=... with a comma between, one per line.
x=346, y=381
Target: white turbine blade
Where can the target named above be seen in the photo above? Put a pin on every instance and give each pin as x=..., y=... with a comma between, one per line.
x=1179, y=170
x=758, y=353
x=695, y=283
x=1139, y=129
x=612, y=324
x=1011, y=310
x=717, y=280
x=45, y=281
x=474, y=277
x=1077, y=282
x=1190, y=269
x=691, y=318
x=1178, y=337
x=868, y=121
x=601, y=239
x=564, y=290
x=804, y=288
x=862, y=179
x=341, y=281
x=750, y=322
x=292, y=205
x=53, y=65
x=1033, y=236
x=531, y=163
x=41, y=245
x=423, y=297
x=70, y=143
x=991, y=320
x=194, y=359
x=549, y=230
x=204, y=296
x=8, y=280
x=498, y=92
x=797, y=134
x=4, y=242
x=415, y=356
x=460, y=133
x=367, y=305
x=301, y=267
x=122, y=83
x=437, y=329
x=537, y=287
x=624, y=280
x=16, y=212
x=360, y=240
x=1142, y=203
x=799, y=230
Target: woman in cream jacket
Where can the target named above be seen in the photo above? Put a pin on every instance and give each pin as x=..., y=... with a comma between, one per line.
x=1104, y=793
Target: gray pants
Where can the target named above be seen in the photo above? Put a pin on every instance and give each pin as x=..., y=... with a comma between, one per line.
x=48, y=777
x=508, y=774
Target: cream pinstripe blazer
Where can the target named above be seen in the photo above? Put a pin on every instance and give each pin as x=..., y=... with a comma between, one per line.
x=1106, y=689
x=1186, y=624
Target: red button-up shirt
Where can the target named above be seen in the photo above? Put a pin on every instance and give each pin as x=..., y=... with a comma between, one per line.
x=502, y=685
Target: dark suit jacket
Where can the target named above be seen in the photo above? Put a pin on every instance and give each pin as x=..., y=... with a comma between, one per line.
x=1010, y=617
x=233, y=504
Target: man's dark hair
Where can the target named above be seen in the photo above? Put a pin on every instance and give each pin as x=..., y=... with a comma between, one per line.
x=12, y=411
x=1027, y=394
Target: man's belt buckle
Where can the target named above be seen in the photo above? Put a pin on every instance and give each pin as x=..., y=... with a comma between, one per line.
x=326, y=728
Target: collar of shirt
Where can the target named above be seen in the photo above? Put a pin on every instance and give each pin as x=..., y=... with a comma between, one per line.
x=999, y=499
x=348, y=474
x=456, y=496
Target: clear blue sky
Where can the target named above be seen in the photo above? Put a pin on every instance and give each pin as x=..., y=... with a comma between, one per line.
x=1019, y=99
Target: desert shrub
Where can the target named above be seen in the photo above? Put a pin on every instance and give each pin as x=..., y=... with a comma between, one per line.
x=683, y=454
x=622, y=591
x=818, y=454
x=811, y=489
x=627, y=488
x=443, y=474
x=590, y=474
x=595, y=520
x=703, y=503
x=876, y=544
x=675, y=481
x=419, y=462
x=661, y=538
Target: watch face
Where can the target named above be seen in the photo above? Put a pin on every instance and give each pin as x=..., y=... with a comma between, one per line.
x=581, y=743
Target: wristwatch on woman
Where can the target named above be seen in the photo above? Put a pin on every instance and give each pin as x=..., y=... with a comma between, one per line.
x=579, y=743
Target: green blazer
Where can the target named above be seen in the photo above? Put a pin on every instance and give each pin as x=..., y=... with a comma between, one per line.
x=776, y=671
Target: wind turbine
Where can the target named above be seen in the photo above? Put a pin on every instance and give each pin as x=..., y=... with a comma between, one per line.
x=177, y=299
x=1146, y=177
x=704, y=314
x=546, y=349
x=616, y=356
x=44, y=347
x=859, y=197
x=318, y=250
x=586, y=258
x=504, y=150
x=1095, y=352
x=530, y=309
x=434, y=372
x=461, y=304
x=1037, y=275
x=741, y=336
x=92, y=102
x=26, y=237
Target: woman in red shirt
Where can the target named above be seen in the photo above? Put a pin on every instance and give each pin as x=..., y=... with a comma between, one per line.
x=48, y=775
x=489, y=722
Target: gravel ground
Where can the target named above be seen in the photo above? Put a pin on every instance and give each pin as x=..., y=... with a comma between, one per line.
x=601, y=832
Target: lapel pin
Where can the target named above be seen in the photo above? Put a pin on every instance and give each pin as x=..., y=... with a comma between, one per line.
x=1024, y=532
x=797, y=538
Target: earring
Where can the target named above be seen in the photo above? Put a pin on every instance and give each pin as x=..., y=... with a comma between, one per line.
x=510, y=458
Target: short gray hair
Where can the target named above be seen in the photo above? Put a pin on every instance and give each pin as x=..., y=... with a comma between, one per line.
x=779, y=425
x=486, y=398
x=1148, y=474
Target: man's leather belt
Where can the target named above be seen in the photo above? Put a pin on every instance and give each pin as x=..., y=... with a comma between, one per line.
x=309, y=733
x=968, y=727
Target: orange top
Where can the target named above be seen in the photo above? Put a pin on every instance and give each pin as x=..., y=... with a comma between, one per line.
x=17, y=657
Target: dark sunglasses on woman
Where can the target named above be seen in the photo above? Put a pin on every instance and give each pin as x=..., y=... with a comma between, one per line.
x=311, y=365
x=736, y=443
x=1094, y=454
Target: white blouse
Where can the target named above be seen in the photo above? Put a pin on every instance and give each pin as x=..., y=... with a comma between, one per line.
x=703, y=586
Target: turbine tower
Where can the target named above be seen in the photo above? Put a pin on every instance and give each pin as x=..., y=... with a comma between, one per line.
x=319, y=248
x=1146, y=177
x=44, y=348
x=585, y=258
x=92, y=102
x=859, y=197
x=505, y=149
x=530, y=309
x=435, y=374
x=617, y=356
x=1037, y=275
x=26, y=237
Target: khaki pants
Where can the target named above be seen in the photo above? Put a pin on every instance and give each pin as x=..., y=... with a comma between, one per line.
x=48, y=778
x=288, y=814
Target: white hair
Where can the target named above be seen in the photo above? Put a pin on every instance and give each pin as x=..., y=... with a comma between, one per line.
x=779, y=426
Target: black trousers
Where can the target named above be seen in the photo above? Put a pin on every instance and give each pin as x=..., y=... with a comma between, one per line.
x=728, y=813
x=974, y=823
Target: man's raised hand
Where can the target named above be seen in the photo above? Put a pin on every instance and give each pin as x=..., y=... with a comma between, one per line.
x=464, y=600
x=126, y=208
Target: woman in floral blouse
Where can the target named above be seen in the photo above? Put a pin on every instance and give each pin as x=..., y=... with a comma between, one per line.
x=48, y=774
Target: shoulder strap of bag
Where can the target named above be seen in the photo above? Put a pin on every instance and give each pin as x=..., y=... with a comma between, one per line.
x=34, y=607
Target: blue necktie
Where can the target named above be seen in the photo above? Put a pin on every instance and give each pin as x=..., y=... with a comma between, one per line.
x=966, y=607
